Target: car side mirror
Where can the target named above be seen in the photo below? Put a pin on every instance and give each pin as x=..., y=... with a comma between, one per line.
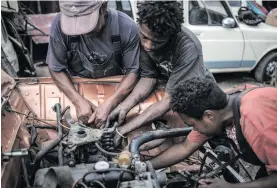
x=228, y=23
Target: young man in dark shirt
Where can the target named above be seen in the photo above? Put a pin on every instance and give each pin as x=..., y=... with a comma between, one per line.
x=249, y=118
x=91, y=41
x=169, y=52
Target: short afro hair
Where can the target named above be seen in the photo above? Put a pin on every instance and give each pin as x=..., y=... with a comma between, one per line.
x=161, y=17
x=192, y=97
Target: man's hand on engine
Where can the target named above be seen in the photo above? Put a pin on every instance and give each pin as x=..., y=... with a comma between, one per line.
x=100, y=115
x=119, y=114
x=119, y=135
x=84, y=109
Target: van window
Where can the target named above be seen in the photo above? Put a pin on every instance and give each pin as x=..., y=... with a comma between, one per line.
x=206, y=12
x=198, y=15
x=123, y=6
x=112, y=4
x=126, y=6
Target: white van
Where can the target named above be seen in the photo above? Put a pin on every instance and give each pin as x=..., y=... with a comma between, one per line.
x=229, y=45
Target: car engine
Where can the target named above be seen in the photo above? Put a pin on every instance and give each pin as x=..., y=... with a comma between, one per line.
x=81, y=157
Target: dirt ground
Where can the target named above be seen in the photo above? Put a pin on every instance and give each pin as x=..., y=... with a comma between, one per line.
x=228, y=80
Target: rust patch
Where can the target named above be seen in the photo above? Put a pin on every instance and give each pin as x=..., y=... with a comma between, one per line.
x=42, y=95
x=11, y=122
x=45, y=92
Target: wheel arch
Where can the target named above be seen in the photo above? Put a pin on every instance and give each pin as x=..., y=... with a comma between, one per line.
x=263, y=56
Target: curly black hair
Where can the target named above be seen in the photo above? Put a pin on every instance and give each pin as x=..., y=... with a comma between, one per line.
x=192, y=97
x=161, y=17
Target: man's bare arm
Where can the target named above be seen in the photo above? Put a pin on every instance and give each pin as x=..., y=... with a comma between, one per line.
x=65, y=84
x=100, y=115
x=155, y=111
x=125, y=87
x=143, y=88
x=84, y=108
x=175, y=154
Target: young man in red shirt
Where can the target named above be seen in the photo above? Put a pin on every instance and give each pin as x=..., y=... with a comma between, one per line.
x=251, y=115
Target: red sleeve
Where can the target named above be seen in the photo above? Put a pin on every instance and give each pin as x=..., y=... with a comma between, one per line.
x=197, y=137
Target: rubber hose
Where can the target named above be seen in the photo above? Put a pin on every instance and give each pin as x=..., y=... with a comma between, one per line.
x=152, y=144
x=52, y=145
x=104, y=151
x=146, y=137
x=60, y=155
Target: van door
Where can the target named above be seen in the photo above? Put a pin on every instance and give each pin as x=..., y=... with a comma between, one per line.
x=222, y=47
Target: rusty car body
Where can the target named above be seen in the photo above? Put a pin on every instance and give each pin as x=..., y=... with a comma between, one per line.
x=36, y=98
x=38, y=143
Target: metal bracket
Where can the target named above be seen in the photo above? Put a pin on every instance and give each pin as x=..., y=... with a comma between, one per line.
x=210, y=154
x=79, y=134
x=15, y=153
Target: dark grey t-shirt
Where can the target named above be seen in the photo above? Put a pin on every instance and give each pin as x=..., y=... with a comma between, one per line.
x=180, y=59
x=100, y=46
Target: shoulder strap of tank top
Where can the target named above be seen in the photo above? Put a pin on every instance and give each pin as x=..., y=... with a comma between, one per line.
x=115, y=38
x=247, y=153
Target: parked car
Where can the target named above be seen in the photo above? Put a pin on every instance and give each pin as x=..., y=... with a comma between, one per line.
x=229, y=45
x=236, y=4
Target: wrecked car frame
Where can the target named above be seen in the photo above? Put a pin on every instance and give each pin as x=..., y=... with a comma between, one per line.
x=58, y=144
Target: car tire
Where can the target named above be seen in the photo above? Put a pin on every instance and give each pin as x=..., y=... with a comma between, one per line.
x=261, y=71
